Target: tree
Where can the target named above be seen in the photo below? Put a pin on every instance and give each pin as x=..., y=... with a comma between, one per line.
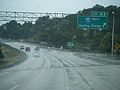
x=58, y=31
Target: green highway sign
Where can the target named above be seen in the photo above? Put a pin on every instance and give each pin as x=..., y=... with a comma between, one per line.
x=70, y=44
x=92, y=22
x=99, y=13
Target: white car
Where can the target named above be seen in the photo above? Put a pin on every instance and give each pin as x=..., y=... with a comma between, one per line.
x=36, y=54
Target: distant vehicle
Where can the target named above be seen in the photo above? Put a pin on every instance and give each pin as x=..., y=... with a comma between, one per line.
x=27, y=49
x=61, y=48
x=48, y=48
x=37, y=49
x=21, y=40
x=36, y=54
x=22, y=47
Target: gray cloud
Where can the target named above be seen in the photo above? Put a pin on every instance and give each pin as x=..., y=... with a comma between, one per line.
x=71, y=6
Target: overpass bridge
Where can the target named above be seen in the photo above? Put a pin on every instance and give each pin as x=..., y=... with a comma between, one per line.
x=27, y=16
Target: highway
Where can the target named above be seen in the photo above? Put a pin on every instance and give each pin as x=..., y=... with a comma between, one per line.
x=58, y=70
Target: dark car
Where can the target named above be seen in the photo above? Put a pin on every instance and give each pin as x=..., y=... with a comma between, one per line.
x=27, y=49
x=22, y=47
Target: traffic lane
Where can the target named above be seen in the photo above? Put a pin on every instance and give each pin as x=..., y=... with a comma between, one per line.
x=77, y=77
x=101, y=77
x=70, y=60
x=16, y=76
x=36, y=79
x=12, y=73
x=50, y=79
x=94, y=76
x=11, y=77
x=54, y=78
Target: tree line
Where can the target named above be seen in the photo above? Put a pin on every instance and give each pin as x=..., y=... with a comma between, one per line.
x=58, y=32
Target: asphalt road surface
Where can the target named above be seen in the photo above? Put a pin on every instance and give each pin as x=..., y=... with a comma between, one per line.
x=58, y=70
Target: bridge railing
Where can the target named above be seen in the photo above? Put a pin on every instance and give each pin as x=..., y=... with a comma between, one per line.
x=27, y=16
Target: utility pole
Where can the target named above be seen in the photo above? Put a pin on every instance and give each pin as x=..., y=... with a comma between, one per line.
x=113, y=32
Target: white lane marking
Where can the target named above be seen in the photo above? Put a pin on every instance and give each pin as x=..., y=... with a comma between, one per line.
x=14, y=87
x=66, y=79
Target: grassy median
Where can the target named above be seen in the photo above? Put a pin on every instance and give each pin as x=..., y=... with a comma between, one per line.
x=12, y=56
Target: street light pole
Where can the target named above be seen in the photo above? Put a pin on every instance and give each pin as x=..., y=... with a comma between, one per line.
x=113, y=31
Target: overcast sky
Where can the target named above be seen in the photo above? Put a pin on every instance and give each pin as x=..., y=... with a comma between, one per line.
x=64, y=6
x=48, y=6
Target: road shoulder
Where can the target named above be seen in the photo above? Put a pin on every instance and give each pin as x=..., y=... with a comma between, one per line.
x=12, y=57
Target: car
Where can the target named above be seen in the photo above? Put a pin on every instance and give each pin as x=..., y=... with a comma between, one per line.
x=36, y=54
x=22, y=47
x=37, y=49
x=27, y=49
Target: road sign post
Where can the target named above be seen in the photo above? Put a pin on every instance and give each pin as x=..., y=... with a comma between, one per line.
x=113, y=32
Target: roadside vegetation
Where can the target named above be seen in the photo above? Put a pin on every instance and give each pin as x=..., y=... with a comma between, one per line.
x=58, y=32
x=11, y=56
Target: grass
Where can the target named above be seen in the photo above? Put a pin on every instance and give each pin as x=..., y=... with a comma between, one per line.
x=12, y=56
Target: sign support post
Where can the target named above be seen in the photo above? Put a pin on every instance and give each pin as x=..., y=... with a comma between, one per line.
x=113, y=31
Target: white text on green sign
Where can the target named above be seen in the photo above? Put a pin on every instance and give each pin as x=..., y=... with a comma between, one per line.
x=92, y=22
x=99, y=13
